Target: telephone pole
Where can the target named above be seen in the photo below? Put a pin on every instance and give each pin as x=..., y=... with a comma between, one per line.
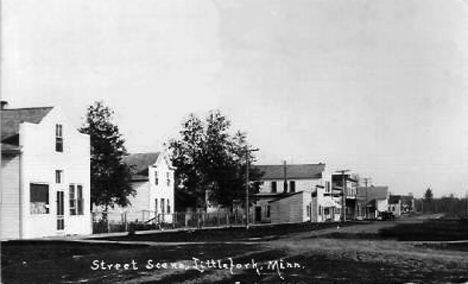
x=366, y=180
x=343, y=203
x=247, y=183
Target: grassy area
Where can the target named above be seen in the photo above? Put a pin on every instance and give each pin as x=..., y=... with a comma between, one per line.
x=430, y=230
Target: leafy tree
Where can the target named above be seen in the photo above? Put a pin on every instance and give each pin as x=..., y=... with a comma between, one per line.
x=110, y=177
x=428, y=195
x=210, y=162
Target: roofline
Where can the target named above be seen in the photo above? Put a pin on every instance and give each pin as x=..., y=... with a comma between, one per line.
x=288, y=178
x=21, y=108
x=282, y=165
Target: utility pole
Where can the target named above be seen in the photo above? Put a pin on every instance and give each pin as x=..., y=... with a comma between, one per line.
x=247, y=183
x=366, y=180
x=343, y=203
x=285, y=172
x=466, y=198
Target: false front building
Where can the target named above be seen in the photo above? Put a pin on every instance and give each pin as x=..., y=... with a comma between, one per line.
x=45, y=176
x=286, y=193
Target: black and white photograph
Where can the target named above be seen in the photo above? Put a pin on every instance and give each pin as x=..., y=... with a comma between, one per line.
x=234, y=141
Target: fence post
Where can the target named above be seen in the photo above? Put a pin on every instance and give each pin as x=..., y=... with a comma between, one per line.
x=125, y=220
x=107, y=221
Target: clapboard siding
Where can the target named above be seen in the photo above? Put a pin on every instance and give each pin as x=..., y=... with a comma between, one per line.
x=288, y=210
x=10, y=199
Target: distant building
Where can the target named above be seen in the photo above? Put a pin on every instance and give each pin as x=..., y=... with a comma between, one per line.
x=153, y=181
x=285, y=192
x=401, y=204
x=350, y=190
x=372, y=200
x=45, y=175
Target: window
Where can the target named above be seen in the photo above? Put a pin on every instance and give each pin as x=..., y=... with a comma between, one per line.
x=156, y=180
x=76, y=199
x=326, y=211
x=267, y=213
x=58, y=176
x=285, y=186
x=327, y=186
x=39, y=198
x=156, y=205
x=168, y=206
x=72, y=204
x=162, y=205
x=308, y=210
x=292, y=186
x=168, y=179
x=274, y=188
x=79, y=199
x=58, y=138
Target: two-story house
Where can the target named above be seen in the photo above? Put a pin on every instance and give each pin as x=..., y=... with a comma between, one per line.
x=45, y=175
x=286, y=191
x=153, y=182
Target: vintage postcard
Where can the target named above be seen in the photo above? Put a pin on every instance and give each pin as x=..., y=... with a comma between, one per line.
x=234, y=141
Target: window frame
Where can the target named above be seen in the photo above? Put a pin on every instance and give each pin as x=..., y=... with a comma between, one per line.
x=162, y=204
x=36, y=211
x=72, y=206
x=58, y=176
x=274, y=187
x=292, y=186
x=75, y=199
x=59, y=138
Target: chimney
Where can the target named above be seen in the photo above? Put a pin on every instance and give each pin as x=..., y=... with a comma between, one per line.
x=4, y=104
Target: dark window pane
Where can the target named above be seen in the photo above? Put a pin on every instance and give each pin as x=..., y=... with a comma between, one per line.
x=39, y=198
x=80, y=199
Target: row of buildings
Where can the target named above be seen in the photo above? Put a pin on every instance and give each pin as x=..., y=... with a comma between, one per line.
x=309, y=193
x=45, y=176
x=45, y=183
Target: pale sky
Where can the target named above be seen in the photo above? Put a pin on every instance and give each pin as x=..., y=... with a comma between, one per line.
x=378, y=87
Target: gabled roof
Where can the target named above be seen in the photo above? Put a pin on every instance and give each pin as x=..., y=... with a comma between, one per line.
x=140, y=163
x=393, y=199
x=373, y=192
x=12, y=118
x=301, y=171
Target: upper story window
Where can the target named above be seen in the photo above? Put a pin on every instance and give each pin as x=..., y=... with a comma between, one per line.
x=58, y=138
x=39, y=198
x=58, y=176
x=292, y=186
x=327, y=186
x=168, y=179
x=168, y=206
x=274, y=187
x=156, y=180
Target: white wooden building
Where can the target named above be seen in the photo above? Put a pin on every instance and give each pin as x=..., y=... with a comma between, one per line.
x=153, y=181
x=45, y=175
x=286, y=192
